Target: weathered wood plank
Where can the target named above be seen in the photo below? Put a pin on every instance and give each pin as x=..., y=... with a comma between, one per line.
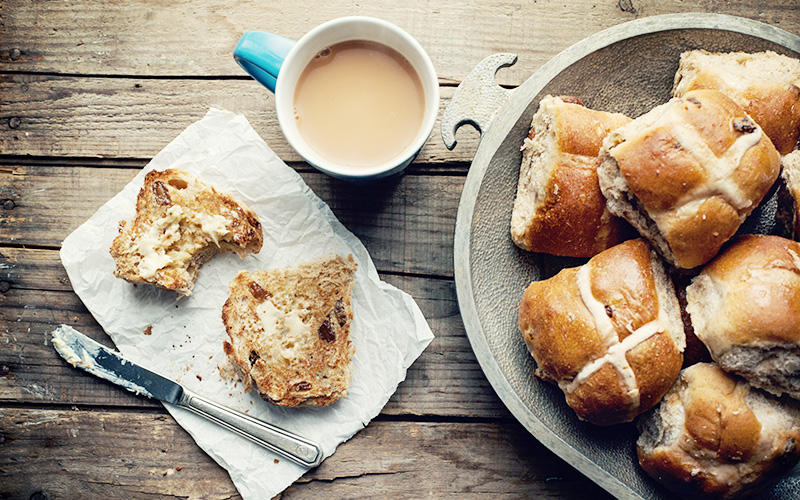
x=43, y=205
x=135, y=118
x=142, y=37
x=114, y=455
x=31, y=269
x=407, y=225
x=133, y=455
x=445, y=381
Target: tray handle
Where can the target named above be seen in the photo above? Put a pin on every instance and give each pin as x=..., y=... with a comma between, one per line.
x=477, y=99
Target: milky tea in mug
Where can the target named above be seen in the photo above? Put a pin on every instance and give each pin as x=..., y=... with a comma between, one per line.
x=359, y=103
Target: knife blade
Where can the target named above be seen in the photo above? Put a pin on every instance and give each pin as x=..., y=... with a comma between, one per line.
x=82, y=352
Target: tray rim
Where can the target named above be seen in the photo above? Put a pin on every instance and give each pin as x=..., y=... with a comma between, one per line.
x=490, y=141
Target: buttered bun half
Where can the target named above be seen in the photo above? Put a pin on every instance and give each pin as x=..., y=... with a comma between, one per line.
x=687, y=173
x=714, y=436
x=559, y=208
x=608, y=333
x=745, y=307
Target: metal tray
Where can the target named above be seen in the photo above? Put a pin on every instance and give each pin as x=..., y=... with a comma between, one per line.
x=628, y=68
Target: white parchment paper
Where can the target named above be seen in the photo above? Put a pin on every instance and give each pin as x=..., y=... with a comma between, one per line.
x=388, y=330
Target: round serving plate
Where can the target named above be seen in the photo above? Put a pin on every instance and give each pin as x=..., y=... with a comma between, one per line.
x=630, y=69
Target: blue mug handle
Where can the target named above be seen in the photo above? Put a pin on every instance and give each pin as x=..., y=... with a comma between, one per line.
x=261, y=54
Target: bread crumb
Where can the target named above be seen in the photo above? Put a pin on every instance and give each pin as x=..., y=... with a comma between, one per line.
x=148, y=330
x=169, y=472
x=226, y=369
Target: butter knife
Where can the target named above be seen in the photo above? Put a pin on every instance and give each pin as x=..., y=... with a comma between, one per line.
x=82, y=352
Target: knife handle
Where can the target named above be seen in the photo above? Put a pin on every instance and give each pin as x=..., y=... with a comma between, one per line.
x=300, y=450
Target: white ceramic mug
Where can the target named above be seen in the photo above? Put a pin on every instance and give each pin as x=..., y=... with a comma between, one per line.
x=277, y=63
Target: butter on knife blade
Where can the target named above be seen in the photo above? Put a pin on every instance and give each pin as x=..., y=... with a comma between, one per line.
x=82, y=352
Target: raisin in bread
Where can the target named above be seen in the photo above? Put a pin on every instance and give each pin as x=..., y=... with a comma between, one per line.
x=289, y=331
x=180, y=223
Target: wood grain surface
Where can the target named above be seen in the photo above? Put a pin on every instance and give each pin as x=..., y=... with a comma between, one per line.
x=91, y=91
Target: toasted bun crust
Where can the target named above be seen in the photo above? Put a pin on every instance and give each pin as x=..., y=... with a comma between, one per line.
x=765, y=84
x=180, y=223
x=289, y=331
x=559, y=208
x=791, y=176
x=713, y=436
x=687, y=174
x=745, y=307
x=609, y=333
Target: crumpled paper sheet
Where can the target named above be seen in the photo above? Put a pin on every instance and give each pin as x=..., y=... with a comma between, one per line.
x=388, y=330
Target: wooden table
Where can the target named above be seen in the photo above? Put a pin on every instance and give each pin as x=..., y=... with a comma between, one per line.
x=90, y=91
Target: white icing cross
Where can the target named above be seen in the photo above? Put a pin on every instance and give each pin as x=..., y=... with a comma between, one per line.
x=616, y=349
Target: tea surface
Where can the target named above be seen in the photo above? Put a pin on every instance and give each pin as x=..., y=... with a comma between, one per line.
x=359, y=103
